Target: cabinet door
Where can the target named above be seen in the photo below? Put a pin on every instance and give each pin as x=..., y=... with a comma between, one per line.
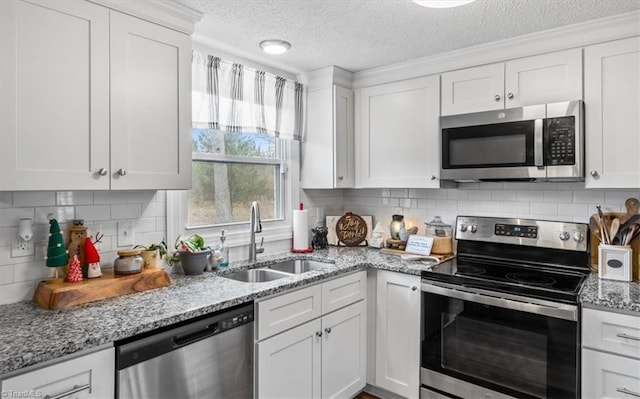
x=473, y=89
x=289, y=364
x=398, y=134
x=150, y=105
x=612, y=117
x=344, y=176
x=344, y=351
x=317, y=155
x=88, y=376
x=609, y=376
x=398, y=333
x=544, y=79
x=54, y=107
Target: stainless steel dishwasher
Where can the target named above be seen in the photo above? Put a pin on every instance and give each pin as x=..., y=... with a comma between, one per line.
x=211, y=357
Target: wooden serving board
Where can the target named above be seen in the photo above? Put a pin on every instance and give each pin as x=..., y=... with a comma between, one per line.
x=65, y=295
x=398, y=252
x=635, y=246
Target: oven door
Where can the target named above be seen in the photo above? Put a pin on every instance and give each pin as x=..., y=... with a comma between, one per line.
x=506, y=144
x=477, y=343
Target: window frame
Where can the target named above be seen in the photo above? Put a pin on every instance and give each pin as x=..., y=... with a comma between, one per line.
x=237, y=233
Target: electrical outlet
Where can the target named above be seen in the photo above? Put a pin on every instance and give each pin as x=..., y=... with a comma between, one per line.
x=21, y=248
x=125, y=234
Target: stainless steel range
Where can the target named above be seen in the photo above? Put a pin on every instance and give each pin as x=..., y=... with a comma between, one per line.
x=502, y=319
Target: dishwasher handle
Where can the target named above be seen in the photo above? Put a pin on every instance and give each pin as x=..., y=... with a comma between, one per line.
x=186, y=339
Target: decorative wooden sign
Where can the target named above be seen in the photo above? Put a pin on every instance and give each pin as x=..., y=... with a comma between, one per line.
x=351, y=230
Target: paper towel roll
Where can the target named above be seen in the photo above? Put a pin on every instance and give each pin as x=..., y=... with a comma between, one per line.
x=300, y=229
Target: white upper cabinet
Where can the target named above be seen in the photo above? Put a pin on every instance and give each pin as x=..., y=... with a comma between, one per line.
x=327, y=150
x=540, y=79
x=92, y=99
x=397, y=134
x=150, y=105
x=54, y=107
x=612, y=114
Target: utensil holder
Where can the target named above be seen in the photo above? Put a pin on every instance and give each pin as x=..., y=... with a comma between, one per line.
x=614, y=262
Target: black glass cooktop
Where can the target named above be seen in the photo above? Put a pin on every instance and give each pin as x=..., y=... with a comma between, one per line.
x=536, y=281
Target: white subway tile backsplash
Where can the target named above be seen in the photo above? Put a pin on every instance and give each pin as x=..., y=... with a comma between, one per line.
x=109, y=197
x=417, y=193
x=577, y=186
x=480, y=195
x=17, y=292
x=60, y=213
x=74, y=198
x=455, y=194
x=558, y=196
x=145, y=225
x=518, y=186
x=6, y=275
x=437, y=194
x=544, y=208
x=504, y=195
x=619, y=197
x=9, y=217
x=34, y=198
x=588, y=197
x=153, y=209
x=392, y=202
x=30, y=272
x=94, y=212
x=128, y=211
x=531, y=196
x=399, y=192
x=140, y=196
x=574, y=210
x=6, y=199
x=447, y=204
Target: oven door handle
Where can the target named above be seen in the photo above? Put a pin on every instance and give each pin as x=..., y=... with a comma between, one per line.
x=506, y=301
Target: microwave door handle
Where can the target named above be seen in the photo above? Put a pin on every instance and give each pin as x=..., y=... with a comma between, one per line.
x=538, y=143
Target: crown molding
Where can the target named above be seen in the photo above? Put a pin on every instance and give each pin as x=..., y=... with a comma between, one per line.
x=563, y=38
x=328, y=76
x=165, y=13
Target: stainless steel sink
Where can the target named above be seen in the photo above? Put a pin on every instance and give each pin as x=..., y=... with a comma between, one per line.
x=256, y=275
x=299, y=266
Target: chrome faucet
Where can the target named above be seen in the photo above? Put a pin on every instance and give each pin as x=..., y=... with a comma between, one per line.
x=255, y=226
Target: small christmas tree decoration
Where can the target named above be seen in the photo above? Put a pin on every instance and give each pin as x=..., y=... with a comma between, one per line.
x=92, y=258
x=75, y=271
x=56, y=252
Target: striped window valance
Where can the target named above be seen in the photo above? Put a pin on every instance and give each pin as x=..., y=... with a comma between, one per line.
x=235, y=98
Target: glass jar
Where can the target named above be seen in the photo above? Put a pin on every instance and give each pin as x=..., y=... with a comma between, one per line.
x=396, y=226
x=128, y=262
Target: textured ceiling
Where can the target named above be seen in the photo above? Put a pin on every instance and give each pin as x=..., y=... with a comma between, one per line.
x=362, y=34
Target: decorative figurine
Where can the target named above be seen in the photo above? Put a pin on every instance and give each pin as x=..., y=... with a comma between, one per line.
x=77, y=236
x=75, y=271
x=319, y=240
x=92, y=258
x=377, y=236
x=56, y=253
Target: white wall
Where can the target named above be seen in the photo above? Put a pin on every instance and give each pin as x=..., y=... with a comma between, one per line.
x=551, y=201
x=101, y=210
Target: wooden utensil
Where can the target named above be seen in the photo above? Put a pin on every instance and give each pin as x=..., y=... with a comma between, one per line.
x=594, y=227
x=613, y=229
x=632, y=206
x=604, y=231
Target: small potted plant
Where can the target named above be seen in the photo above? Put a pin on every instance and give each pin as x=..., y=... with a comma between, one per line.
x=192, y=254
x=152, y=254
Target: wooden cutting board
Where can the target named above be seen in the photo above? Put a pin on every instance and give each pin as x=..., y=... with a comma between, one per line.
x=66, y=295
x=635, y=246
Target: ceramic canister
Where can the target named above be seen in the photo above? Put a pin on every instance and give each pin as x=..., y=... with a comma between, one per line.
x=128, y=262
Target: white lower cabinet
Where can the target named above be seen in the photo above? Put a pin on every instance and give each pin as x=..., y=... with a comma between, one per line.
x=610, y=355
x=398, y=333
x=324, y=357
x=88, y=376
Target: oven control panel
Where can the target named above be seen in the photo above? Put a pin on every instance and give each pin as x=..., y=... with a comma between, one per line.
x=537, y=233
x=514, y=230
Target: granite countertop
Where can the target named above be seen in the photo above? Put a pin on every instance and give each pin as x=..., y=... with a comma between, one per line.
x=608, y=294
x=31, y=335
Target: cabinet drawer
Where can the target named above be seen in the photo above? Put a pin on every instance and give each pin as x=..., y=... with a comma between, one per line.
x=343, y=291
x=609, y=376
x=89, y=376
x=283, y=312
x=612, y=332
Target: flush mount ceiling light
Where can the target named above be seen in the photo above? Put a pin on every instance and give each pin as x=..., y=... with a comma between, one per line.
x=275, y=46
x=442, y=3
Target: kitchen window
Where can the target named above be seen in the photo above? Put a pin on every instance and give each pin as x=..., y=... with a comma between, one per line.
x=246, y=126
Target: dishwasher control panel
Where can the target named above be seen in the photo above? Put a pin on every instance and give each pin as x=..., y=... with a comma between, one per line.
x=234, y=321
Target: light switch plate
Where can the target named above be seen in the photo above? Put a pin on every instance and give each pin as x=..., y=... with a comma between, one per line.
x=125, y=234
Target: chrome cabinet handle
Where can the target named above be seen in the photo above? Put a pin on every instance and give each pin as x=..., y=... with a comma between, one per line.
x=510, y=96
x=122, y=172
x=102, y=172
x=628, y=392
x=623, y=335
x=432, y=177
x=75, y=389
x=497, y=97
x=341, y=178
x=414, y=288
x=318, y=334
x=594, y=173
x=327, y=330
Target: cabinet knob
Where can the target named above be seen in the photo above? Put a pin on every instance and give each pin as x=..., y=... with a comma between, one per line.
x=510, y=96
x=122, y=172
x=327, y=330
x=497, y=97
x=432, y=177
x=102, y=172
x=594, y=173
x=341, y=178
x=318, y=334
x=414, y=288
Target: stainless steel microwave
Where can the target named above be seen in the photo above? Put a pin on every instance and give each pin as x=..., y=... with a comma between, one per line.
x=539, y=142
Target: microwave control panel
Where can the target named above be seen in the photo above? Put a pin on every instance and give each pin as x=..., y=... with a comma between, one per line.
x=560, y=141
